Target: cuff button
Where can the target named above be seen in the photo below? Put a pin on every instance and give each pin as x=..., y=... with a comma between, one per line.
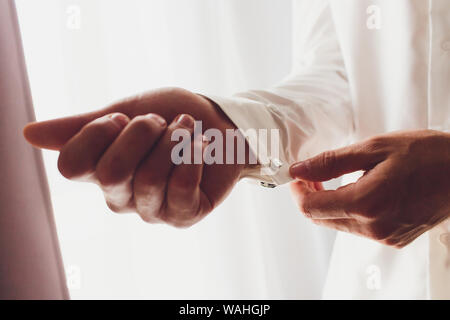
x=267, y=185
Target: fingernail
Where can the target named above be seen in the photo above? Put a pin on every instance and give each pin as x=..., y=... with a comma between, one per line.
x=158, y=119
x=120, y=119
x=186, y=121
x=298, y=169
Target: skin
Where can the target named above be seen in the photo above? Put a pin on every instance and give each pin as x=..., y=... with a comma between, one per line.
x=125, y=149
x=405, y=189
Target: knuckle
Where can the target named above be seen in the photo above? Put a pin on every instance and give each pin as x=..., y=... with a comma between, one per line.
x=143, y=126
x=376, y=144
x=113, y=207
x=64, y=165
x=148, y=217
x=180, y=219
x=147, y=178
x=366, y=207
x=101, y=128
x=327, y=160
x=70, y=167
x=149, y=213
x=366, y=211
x=183, y=183
x=391, y=243
x=111, y=172
x=304, y=208
x=179, y=223
x=399, y=246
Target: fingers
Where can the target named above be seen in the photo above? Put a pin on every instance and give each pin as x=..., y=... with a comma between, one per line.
x=186, y=203
x=344, y=225
x=335, y=163
x=324, y=204
x=150, y=184
x=116, y=167
x=54, y=134
x=79, y=157
x=318, y=186
x=330, y=204
x=300, y=190
x=339, y=221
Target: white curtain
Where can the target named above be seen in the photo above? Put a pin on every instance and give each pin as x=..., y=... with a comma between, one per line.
x=83, y=54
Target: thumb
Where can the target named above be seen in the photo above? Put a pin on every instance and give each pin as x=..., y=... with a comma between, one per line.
x=54, y=134
x=335, y=163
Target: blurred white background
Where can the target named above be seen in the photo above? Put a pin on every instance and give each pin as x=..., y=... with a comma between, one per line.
x=84, y=54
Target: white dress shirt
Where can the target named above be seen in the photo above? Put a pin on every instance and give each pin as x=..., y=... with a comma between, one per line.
x=361, y=68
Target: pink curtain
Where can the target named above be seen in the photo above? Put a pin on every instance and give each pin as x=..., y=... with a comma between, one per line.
x=30, y=261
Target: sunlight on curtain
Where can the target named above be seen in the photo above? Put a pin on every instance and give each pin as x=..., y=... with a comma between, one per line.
x=82, y=55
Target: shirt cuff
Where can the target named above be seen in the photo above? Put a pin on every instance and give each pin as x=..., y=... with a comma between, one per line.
x=250, y=117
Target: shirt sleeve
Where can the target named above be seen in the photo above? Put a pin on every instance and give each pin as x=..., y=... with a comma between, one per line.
x=309, y=110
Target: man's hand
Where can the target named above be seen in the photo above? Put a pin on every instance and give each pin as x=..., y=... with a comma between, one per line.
x=404, y=192
x=126, y=149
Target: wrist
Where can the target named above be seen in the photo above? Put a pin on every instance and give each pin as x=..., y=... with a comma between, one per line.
x=249, y=161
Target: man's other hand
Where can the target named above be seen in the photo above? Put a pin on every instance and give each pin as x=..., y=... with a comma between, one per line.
x=126, y=149
x=404, y=191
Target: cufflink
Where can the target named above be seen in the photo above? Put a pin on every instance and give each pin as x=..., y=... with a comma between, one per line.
x=267, y=185
x=276, y=164
x=272, y=167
